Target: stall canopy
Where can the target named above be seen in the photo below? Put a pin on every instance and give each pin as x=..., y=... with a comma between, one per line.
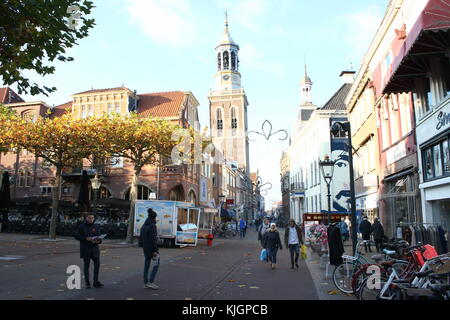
x=428, y=36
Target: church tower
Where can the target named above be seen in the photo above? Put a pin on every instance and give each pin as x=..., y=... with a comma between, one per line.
x=228, y=104
x=306, y=106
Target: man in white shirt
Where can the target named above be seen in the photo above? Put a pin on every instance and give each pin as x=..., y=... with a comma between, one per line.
x=293, y=239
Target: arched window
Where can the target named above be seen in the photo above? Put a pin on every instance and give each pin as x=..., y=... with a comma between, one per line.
x=233, y=60
x=226, y=60
x=233, y=118
x=29, y=116
x=219, y=61
x=219, y=119
x=143, y=193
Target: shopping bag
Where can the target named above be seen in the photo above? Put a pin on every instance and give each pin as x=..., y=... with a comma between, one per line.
x=303, y=251
x=263, y=255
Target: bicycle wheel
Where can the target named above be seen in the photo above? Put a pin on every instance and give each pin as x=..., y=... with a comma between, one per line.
x=358, y=279
x=369, y=291
x=342, y=276
x=229, y=234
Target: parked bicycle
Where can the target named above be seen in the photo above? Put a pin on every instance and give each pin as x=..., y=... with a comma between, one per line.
x=394, y=285
x=343, y=274
x=223, y=230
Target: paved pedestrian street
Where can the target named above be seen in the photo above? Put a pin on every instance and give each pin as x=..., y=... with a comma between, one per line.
x=229, y=270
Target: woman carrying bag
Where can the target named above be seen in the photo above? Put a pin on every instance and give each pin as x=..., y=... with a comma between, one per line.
x=272, y=243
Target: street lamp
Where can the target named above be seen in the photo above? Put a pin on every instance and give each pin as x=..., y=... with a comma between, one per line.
x=95, y=183
x=345, y=127
x=327, y=167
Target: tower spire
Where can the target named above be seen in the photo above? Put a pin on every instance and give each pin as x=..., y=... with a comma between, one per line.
x=227, y=31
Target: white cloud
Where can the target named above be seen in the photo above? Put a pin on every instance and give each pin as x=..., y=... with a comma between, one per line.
x=257, y=59
x=359, y=28
x=167, y=22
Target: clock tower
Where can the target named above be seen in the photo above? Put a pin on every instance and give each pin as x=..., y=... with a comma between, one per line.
x=228, y=104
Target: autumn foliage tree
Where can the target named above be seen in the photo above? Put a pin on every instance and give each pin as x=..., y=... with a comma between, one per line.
x=140, y=141
x=61, y=141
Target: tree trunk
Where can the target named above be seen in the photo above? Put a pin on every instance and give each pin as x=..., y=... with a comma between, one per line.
x=55, y=201
x=133, y=198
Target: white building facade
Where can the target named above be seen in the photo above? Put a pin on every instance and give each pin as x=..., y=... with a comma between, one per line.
x=310, y=144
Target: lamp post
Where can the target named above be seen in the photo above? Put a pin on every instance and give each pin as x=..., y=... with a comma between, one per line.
x=95, y=183
x=345, y=127
x=327, y=167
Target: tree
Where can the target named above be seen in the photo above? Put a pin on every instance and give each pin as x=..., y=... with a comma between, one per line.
x=61, y=141
x=141, y=141
x=34, y=33
x=6, y=115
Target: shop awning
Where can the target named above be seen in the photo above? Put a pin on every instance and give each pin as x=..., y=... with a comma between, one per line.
x=428, y=36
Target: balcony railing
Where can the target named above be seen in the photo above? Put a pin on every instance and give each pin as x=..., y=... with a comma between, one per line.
x=101, y=170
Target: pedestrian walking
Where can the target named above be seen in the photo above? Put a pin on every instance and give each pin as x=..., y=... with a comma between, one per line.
x=149, y=242
x=343, y=227
x=89, y=249
x=378, y=233
x=242, y=228
x=292, y=239
x=365, y=227
x=272, y=243
x=265, y=226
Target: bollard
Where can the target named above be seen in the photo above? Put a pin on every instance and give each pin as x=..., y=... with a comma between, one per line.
x=210, y=240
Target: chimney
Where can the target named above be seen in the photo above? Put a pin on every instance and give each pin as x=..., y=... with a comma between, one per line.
x=347, y=76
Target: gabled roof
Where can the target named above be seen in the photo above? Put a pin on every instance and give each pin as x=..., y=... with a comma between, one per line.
x=337, y=102
x=62, y=109
x=102, y=90
x=161, y=104
x=7, y=95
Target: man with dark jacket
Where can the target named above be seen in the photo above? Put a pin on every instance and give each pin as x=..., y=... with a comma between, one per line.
x=89, y=249
x=149, y=242
x=292, y=239
x=365, y=227
x=378, y=233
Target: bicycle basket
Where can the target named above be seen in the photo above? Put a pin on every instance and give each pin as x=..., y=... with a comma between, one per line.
x=429, y=253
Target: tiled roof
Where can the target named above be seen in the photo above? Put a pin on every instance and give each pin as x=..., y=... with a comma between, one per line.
x=62, y=109
x=102, y=90
x=337, y=102
x=162, y=104
x=9, y=96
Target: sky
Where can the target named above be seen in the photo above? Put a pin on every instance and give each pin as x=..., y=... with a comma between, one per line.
x=167, y=45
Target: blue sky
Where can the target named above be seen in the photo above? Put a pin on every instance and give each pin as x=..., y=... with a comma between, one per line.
x=165, y=45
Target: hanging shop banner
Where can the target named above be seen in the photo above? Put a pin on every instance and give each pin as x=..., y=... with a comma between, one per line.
x=308, y=217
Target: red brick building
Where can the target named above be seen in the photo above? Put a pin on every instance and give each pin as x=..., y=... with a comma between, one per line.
x=33, y=178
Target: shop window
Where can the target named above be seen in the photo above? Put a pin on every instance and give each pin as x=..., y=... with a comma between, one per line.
x=437, y=157
x=446, y=156
x=429, y=164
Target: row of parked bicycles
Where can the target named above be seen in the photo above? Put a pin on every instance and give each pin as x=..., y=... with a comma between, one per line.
x=224, y=230
x=115, y=228
x=402, y=272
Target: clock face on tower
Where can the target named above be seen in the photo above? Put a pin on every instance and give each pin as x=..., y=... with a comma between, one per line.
x=226, y=77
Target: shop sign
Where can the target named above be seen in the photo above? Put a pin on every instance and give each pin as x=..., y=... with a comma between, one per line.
x=396, y=153
x=443, y=120
x=320, y=217
x=434, y=125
